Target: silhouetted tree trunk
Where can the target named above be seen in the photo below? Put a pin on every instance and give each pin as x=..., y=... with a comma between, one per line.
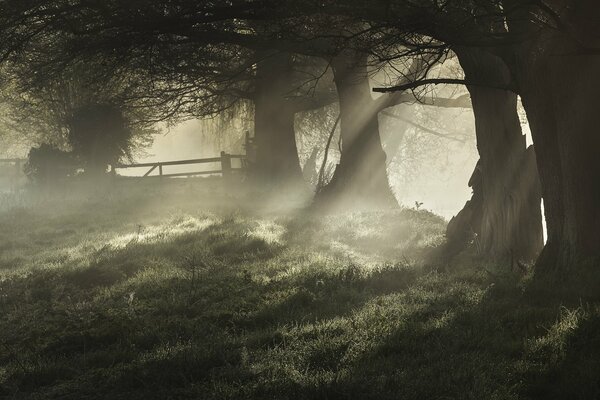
x=504, y=212
x=360, y=179
x=561, y=103
x=557, y=76
x=277, y=159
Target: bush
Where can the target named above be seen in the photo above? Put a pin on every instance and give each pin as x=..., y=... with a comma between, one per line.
x=47, y=164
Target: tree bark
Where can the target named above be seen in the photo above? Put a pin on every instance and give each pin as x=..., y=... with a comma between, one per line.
x=504, y=214
x=560, y=103
x=556, y=73
x=360, y=180
x=277, y=159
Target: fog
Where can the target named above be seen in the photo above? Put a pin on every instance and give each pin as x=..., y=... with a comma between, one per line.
x=280, y=200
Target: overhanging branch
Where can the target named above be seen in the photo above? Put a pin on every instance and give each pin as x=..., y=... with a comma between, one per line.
x=442, y=81
x=423, y=128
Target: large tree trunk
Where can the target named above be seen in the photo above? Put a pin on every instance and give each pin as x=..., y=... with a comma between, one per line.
x=557, y=77
x=504, y=213
x=360, y=179
x=277, y=159
x=561, y=103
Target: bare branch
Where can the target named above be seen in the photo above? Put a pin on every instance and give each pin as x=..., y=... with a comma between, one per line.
x=442, y=81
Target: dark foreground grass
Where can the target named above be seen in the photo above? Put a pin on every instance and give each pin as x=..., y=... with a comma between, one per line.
x=183, y=291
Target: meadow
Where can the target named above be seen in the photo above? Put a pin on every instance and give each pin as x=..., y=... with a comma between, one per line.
x=183, y=289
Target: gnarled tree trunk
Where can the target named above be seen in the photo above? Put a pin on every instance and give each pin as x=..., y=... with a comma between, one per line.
x=556, y=72
x=505, y=213
x=560, y=100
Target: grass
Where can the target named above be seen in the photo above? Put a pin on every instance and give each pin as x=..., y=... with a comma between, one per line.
x=183, y=290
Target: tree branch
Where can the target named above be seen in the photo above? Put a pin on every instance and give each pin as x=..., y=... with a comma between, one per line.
x=423, y=128
x=442, y=81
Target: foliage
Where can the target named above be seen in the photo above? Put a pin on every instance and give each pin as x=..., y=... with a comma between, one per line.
x=47, y=164
x=43, y=106
x=100, y=135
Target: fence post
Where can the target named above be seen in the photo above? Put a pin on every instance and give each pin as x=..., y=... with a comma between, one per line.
x=18, y=172
x=225, y=165
x=247, y=142
x=160, y=172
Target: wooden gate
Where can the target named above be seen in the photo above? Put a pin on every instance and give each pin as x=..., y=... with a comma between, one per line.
x=224, y=161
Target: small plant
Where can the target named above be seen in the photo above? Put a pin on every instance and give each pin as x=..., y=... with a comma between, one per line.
x=194, y=266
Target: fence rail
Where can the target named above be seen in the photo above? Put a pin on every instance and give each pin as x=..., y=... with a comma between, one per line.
x=12, y=160
x=224, y=159
x=225, y=170
x=11, y=175
x=18, y=164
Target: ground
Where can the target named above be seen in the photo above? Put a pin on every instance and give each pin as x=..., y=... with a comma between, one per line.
x=186, y=289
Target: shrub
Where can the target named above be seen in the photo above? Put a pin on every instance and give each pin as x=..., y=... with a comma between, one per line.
x=46, y=164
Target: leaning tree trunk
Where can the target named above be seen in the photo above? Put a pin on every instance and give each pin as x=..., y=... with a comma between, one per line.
x=277, y=159
x=505, y=213
x=360, y=179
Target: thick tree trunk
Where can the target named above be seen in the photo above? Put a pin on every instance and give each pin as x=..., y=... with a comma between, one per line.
x=277, y=159
x=556, y=73
x=360, y=180
x=504, y=213
x=560, y=98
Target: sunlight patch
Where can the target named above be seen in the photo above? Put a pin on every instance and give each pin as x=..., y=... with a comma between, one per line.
x=153, y=275
x=367, y=260
x=155, y=233
x=555, y=340
x=268, y=231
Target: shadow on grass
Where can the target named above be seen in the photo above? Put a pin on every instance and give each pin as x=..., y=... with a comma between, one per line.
x=173, y=316
x=455, y=340
x=56, y=322
x=244, y=309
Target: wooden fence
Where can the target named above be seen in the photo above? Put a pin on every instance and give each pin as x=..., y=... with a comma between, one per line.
x=225, y=168
x=18, y=163
x=224, y=160
x=12, y=173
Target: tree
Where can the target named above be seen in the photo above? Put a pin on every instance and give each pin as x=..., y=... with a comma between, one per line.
x=80, y=111
x=556, y=75
x=278, y=96
x=504, y=212
x=169, y=37
x=100, y=135
x=536, y=40
x=551, y=49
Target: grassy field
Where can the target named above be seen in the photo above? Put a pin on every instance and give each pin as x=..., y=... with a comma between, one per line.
x=183, y=290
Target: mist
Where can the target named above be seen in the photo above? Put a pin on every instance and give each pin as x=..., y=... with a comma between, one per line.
x=292, y=200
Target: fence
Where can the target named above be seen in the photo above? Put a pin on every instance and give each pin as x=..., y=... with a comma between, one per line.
x=11, y=174
x=226, y=169
x=225, y=166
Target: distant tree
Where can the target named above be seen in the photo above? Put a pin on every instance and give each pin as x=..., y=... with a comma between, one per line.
x=213, y=53
x=100, y=135
x=83, y=109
